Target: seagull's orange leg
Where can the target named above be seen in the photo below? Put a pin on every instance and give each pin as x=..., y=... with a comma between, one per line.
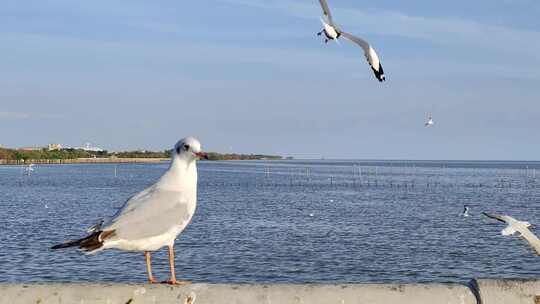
x=151, y=279
x=173, y=280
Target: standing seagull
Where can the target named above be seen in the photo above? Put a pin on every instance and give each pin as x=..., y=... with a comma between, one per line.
x=154, y=217
x=517, y=226
x=332, y=32
x=430, y=122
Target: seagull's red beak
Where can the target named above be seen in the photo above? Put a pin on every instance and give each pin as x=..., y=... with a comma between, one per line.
x=201, y=155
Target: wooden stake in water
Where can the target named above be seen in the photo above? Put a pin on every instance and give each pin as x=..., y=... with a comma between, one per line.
x=115, y=170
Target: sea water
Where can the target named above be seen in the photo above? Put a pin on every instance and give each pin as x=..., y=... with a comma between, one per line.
x=282, y=221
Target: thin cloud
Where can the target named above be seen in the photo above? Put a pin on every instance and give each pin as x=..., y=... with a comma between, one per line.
x=14, y=115
x=6, y=115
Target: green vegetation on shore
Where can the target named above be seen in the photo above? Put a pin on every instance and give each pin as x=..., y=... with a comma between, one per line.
x=44, y=154
x=234, y=156
x=11, y=154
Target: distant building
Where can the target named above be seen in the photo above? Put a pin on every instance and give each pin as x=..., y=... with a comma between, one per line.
x=55, y=147
x=88, y=147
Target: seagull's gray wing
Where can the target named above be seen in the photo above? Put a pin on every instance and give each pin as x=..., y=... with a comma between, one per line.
x=361, y=42
x=500, y=218
x=531, y=239
x=326, y=11
x=150, y=213
x=370, y=54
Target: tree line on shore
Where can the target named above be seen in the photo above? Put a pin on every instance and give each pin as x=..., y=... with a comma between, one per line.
x=42, y=154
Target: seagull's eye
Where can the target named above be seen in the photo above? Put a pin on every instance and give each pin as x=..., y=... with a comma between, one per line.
x=186, y=147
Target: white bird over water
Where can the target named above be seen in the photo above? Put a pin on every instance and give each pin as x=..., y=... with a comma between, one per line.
x=517, y=226
x=429, y=122
x=332, y=32
x=29, y=169
x=465, y=212
x=154, y=217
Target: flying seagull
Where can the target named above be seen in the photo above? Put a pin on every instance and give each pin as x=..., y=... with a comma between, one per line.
x=517, y=226
x=332, y=32
x=154, y=217
x=429, y=122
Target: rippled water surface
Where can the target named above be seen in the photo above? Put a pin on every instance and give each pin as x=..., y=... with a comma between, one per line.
x=286, y=221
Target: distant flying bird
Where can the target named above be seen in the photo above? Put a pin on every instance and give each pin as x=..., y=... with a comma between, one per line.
x=517, y=226
x=465, y=211
x=429, y=122
x=154, y=217
x=332, y=32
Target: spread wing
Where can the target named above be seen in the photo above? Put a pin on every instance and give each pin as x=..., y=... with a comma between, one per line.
x=326, y=11
x=524, y=232
x=531, y=239
x=370, y=54
x=152, y=212
x=500, y=218
x=361, y=42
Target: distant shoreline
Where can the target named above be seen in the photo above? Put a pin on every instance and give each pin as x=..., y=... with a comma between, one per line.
x=81, y=161
x=99, y=160
x=78, y=156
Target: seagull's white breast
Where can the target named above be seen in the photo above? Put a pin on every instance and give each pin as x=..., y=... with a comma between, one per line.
x=330, y=31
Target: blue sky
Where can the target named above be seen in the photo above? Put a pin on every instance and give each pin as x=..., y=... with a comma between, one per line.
x=252, y=76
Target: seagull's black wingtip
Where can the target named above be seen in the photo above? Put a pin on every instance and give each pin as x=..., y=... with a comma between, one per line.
x=379, y=73
x=494, y=216
x=92, y=242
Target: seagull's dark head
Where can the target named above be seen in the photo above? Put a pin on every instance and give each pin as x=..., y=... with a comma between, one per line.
x=189, y=148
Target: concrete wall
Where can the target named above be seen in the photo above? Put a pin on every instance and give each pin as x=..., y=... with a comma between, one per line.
x=507, y=291
x=478, y=291
x=236, y=294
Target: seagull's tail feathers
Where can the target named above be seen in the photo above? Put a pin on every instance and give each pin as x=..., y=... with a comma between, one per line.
x=88, y=244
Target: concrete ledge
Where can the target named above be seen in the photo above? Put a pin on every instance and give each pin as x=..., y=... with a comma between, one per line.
x=236, y=294
x=507, y=291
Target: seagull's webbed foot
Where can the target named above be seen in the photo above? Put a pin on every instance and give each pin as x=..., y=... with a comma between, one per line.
x=152, y=281
x=319, y=33
x=175, y=282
